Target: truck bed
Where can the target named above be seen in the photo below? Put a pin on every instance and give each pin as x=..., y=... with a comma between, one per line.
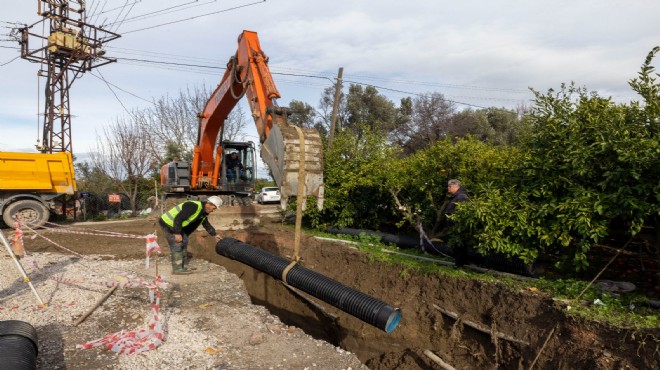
x=41, y=172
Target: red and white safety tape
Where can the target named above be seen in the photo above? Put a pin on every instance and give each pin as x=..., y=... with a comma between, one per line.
x=58, y=245
x=152, y=246
x=79, y=231
x=151, y=243
x=134, y=342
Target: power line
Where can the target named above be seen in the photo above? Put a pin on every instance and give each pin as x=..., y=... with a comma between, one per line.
x=330, y=76
x=298, y=75
x=195, y=17
x=163, y=55
x=163, y=11
x=125, y=15
x=171, y=63
x=437, y=84
x=113, y=93
x=5, y=63
x=119, y=88
x=412, y=93
x=179, y=69
x=113, y=9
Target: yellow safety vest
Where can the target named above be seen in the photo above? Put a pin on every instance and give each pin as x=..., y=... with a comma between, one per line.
x=168, y=217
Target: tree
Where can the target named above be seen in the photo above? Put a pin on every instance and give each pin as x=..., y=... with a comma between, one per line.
x=91, y=179
x=353, y=195
x=424, y=120
x=234, y=126
x=324, y=113
x=587, y=165
x=121, y=154
x=173, y=124
x=367, y=109
x=304, y=115
x=497, y=126
x=418, y=183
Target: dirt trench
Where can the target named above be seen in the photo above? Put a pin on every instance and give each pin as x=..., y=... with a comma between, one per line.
x=543, y=336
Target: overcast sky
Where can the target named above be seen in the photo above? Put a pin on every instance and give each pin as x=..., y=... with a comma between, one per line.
x=479, y=53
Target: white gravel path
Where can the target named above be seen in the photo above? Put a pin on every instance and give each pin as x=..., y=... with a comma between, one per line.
x=209, y=321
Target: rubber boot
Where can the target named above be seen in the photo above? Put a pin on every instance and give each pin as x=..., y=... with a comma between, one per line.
x=177, y=264
x=186, y=262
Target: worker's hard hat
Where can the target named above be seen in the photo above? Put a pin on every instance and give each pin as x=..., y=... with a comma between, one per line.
x=215, y=200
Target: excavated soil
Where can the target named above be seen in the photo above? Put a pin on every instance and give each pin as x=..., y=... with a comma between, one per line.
x=541, y=334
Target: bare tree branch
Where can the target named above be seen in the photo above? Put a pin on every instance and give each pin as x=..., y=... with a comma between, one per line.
x=121, y=153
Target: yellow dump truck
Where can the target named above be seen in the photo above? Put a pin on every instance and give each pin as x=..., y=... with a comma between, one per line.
x=29, y=182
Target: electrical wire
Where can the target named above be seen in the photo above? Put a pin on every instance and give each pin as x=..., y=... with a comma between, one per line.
x=408, y=93
x=412, y=93
x=92, y=13
x=9, y=61
x=113, y=9
x=195, y=17
x=172, y=63
x=125, y=15
x=163, y=55
x=330, y=76
x=113, y=93
x=163, y=11
x=119, y=88
x=178, y=69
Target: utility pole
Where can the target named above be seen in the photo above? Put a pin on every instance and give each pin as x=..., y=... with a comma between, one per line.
x=71, y=48
x=335, y=107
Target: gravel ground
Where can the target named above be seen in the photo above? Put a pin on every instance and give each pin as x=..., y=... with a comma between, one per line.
x=208, y=319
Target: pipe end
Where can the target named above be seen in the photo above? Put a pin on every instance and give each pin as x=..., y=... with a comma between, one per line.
x=393, y=321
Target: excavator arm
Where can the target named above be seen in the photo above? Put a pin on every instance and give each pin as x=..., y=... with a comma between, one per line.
x=293, y=154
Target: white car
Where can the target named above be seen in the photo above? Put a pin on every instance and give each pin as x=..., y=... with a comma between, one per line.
x=268, y=194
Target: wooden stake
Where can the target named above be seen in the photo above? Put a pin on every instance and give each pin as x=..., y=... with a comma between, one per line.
x=98, y=303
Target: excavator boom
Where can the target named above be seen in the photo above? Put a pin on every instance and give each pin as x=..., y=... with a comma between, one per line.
x=293, y=154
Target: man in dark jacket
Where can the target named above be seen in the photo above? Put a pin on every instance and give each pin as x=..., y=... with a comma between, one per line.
x=457, y=194
x=234, y=167
x=181, y=221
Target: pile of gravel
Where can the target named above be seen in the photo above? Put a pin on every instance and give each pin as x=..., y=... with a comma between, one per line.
x=208, y=319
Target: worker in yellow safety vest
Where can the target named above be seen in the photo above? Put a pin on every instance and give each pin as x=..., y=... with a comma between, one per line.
x=179, y=222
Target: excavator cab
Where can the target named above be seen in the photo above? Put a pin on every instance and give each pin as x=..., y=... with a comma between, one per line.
x=238, y=168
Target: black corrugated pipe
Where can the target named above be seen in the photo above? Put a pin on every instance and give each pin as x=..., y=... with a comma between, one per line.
x=358, y=304
x=496, y=261
x=398, y=240
x=18, y=345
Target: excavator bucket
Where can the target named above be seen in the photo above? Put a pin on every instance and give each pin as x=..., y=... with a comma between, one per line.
x=295, y=156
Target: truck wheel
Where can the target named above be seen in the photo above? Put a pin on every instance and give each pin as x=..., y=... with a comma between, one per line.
x=31, y=212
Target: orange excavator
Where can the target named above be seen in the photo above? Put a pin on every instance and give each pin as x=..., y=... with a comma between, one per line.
x=293, y=154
